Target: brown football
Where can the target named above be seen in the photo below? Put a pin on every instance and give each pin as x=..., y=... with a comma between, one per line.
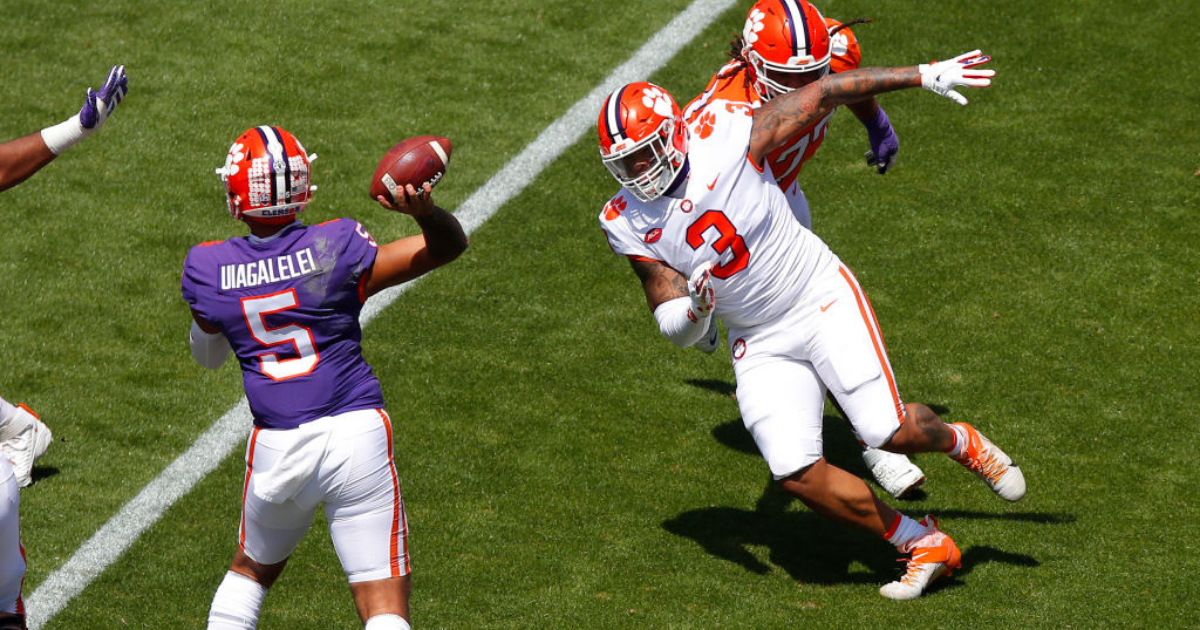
x=415, y=161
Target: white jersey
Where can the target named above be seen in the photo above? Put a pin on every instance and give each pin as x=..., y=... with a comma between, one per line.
x=731, y=213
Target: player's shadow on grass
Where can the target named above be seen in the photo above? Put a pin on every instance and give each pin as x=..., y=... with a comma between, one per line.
x=841, y=447
x=814, y=550
x=788, y=536
x=808, y=547
x=38, y=473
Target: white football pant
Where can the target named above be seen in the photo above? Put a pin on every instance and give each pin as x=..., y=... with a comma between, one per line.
x=344, y=462
x=828, y=340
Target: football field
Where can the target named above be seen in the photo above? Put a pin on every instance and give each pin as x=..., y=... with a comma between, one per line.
x=1032, y=259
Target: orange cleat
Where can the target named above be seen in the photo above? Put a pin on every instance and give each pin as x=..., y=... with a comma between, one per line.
x=990, y=464
x=933, y=555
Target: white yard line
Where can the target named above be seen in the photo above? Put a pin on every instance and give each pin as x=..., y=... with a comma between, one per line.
x=230, y=430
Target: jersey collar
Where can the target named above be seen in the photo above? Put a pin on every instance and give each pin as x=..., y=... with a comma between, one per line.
x=267, y=239
x=677, y=189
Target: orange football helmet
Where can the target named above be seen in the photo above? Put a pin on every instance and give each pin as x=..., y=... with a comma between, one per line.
x=786, y=45
x=266, y=175
x=642, y=140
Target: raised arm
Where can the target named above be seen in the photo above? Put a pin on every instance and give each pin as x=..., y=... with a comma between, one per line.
x=786, y=115
x=442, y=239
x=25, y=156
x=21, y=158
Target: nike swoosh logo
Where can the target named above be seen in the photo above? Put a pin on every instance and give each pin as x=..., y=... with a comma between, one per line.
x=714, y=181
x=826, y=307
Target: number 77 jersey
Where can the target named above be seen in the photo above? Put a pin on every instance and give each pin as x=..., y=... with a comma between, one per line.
x=730, y=213
x=289, y=307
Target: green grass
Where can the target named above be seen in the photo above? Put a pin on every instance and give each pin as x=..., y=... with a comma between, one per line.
x=1032, y=259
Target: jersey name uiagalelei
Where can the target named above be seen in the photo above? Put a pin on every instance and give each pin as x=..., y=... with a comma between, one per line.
x=268, y=270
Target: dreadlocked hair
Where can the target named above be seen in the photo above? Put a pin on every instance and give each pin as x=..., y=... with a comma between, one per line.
x=736, y=46
x=839, y=27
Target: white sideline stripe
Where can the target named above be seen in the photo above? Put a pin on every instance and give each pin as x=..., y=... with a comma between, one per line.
x=230, y=430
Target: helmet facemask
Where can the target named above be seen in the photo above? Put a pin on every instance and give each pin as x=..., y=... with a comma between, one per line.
x=649, y=167
x=772, y=79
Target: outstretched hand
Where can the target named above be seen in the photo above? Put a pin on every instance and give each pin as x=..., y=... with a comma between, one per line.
x=99, y=105
x=943, y=76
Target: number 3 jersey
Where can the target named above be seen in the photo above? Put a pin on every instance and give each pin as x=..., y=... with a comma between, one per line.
x=731, y=213
x=289, y=306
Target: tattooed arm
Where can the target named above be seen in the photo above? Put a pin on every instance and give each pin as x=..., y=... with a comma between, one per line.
x=786, y=115
x=660, y=282
x=789, y=114
x=682, y=307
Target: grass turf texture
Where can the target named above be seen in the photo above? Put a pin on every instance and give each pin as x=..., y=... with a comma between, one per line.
x=1031, y=258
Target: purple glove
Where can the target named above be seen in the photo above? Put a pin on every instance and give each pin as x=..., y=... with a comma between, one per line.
x=884, y=143
x=96, y=109
x=98, y=105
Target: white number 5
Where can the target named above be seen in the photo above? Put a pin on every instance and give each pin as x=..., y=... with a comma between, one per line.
x=255, y=308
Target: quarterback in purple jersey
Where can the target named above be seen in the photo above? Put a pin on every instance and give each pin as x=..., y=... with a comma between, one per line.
x=310, y=280
x=285, y=300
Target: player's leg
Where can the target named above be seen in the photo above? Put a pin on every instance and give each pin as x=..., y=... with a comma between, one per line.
x=781, y=403
x=24, y=438
x=12, y=555
x=383, y=604
x=239, y=597
x=367, y=520
x=845, y=498
x=852, y=359
x=268, y=535
x=894, y=472
x=965, y=445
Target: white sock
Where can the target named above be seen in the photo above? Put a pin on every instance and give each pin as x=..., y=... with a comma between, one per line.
x=960, y=441
x=904, y=532
x=236, y=603
x=387, y=622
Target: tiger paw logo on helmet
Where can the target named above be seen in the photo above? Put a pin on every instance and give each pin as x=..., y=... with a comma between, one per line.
x=236, y=154
x=754, y=24
x=657, y=100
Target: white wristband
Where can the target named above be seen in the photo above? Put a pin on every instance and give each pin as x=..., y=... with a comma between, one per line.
x=679, y=323
x=64, y=135
x=208, y=349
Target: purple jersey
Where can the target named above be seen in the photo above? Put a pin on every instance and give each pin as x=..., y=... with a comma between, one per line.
x=289, y=306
